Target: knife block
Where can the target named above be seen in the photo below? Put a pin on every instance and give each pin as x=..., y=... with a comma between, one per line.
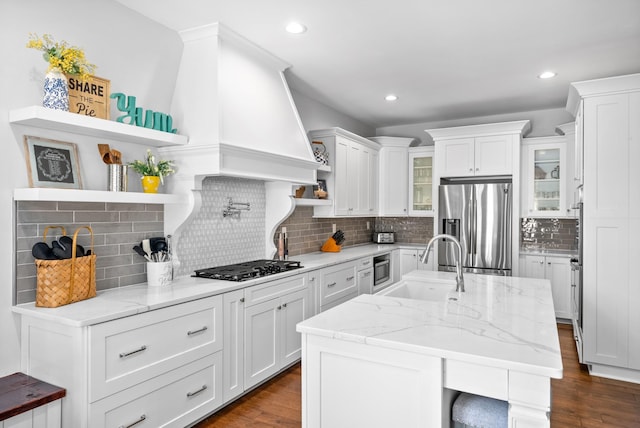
x=330, y=246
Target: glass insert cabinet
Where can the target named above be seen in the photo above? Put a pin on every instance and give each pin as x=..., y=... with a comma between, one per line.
x=421, y=181
x=547, y=173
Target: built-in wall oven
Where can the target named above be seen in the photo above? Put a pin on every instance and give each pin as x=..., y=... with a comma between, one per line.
x=381, y=271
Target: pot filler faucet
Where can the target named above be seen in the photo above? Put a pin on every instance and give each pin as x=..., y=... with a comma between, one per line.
x=459, y=277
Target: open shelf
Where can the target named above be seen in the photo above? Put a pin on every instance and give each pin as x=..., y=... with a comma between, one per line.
x=57, y=120
x=308, y=202
x=74, y=195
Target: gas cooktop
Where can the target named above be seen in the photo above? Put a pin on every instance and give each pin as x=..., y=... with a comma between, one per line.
x=248, y=270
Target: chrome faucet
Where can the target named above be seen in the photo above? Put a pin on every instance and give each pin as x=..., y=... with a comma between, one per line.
x=459, y=277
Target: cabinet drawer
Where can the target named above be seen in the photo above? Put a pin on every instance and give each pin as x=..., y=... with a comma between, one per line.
x=337, y=283
x=364, y=263
x=131, y=350
x=274, y=289
x=174, y=399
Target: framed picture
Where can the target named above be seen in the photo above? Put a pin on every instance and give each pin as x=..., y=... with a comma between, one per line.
x=322, y=185
x=89, y=97
x=52, y=163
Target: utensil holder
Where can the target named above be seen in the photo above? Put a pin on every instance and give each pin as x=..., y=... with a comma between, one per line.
x=330, y=246
x=117, y=178
x=159, y=273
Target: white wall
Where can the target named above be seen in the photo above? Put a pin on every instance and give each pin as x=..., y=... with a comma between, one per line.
x=315, y=115
x=543, y=123
x=138, y=56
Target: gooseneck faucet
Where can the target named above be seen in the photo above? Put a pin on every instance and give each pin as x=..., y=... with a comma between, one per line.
x=459, y=277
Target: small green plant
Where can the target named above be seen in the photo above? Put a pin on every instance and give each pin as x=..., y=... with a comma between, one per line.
x=149, y=167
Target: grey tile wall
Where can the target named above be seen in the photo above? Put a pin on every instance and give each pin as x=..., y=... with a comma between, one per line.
x=116, y=228
x=548, y=233
x=414, y=230
x=213, y=240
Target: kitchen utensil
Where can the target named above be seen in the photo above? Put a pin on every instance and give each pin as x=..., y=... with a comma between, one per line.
x=138, y=249
x=105, y=153
x=158, y=243
x=42, y=251
x=146, y=246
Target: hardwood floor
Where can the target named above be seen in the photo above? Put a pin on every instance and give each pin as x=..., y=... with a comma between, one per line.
x=579, y=400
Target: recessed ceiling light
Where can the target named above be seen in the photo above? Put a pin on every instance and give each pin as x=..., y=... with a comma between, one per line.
x=295, y=28
x=391, y=97
x=547, y=75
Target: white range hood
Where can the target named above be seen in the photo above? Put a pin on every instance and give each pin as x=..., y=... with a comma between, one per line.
x=232, y=100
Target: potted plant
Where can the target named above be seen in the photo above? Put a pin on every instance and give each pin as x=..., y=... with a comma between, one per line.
x=62, y=59
x=152, y=173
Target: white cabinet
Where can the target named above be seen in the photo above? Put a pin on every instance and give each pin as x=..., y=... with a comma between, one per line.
x=410, y=260
x=114, y=371
x=421, y=185
x=478, y=150
x=353, y=183
x=233, y=352
x=394, y=175
x=558, y=271
x=337, y=285
x=272, y=311
x=465, y=157
x=546, y=174
x=364, y=268
x=610, y=133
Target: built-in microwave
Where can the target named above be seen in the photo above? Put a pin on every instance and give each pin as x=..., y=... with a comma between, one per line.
x=381, y=269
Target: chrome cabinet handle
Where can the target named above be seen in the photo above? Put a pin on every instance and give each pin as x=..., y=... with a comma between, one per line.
x=279, y=307
x=367, y=274
x=284, y=305
x=366, y=263
x=477, y=169
x=350, y=278
x=142, y=418
x=312, y=279
x=192, y=332
x=191, y=394
x=331, y=285
x=470, y=169
x=126, y=354
x=242, y=300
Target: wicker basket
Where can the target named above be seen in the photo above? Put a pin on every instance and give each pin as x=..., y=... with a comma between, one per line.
x=60, y=282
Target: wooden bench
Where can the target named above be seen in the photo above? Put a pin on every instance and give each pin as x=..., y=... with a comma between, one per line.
x=20, y=393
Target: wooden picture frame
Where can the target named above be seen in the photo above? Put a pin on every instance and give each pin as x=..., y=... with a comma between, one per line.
x=90, y=97
x=52, y=163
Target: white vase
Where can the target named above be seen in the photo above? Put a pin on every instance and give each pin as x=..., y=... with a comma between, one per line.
x=56, y=91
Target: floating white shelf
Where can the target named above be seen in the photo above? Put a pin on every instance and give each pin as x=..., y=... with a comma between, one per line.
x=307, y=202
x=324, y=168
x=57, y=120
x=73, y=195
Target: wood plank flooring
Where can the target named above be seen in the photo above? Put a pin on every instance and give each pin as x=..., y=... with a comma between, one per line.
x=579, y=400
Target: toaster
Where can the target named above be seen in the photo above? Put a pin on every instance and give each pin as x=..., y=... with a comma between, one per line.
x=384, y=237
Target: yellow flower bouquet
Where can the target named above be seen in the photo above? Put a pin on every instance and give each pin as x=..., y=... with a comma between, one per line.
x=60, y=55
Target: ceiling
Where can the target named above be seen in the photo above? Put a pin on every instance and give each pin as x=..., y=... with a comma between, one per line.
x=444, y=59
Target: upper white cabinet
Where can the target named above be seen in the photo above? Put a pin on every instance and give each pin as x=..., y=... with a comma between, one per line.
x=421, y=189
x=610, y=134
x=477, y=150
x=547, y=178
x=394, y=175
x=353, y=183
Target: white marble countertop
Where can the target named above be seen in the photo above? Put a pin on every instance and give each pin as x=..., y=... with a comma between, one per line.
x=504, y=322
x=125, y=301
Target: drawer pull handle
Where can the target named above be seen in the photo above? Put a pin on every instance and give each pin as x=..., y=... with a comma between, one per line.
x=366, y=263
x=284, y=305
x=350, y=278
x=126, y=354
x=331, y=285
x=191, y=394
x=312, y=279
x=242, y=300
x=191, y=333
x=367, y=274
x=142, y=418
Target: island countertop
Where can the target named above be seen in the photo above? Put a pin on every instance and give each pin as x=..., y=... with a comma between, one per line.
x=504, y=322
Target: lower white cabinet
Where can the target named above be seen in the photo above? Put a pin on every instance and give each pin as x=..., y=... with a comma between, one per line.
x=409, y=260
x=46, y=416
x=337, y=284
x=233, y=351
x=271, y=313
x=115, y=371
x=558, y=271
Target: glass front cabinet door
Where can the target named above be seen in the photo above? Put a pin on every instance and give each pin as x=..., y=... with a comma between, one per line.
x=421, y=181
x=546, y=181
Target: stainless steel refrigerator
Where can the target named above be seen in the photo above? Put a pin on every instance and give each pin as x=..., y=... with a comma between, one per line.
x=479, y=215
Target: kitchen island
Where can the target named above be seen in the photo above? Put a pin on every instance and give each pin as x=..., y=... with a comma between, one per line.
x=386, y=360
